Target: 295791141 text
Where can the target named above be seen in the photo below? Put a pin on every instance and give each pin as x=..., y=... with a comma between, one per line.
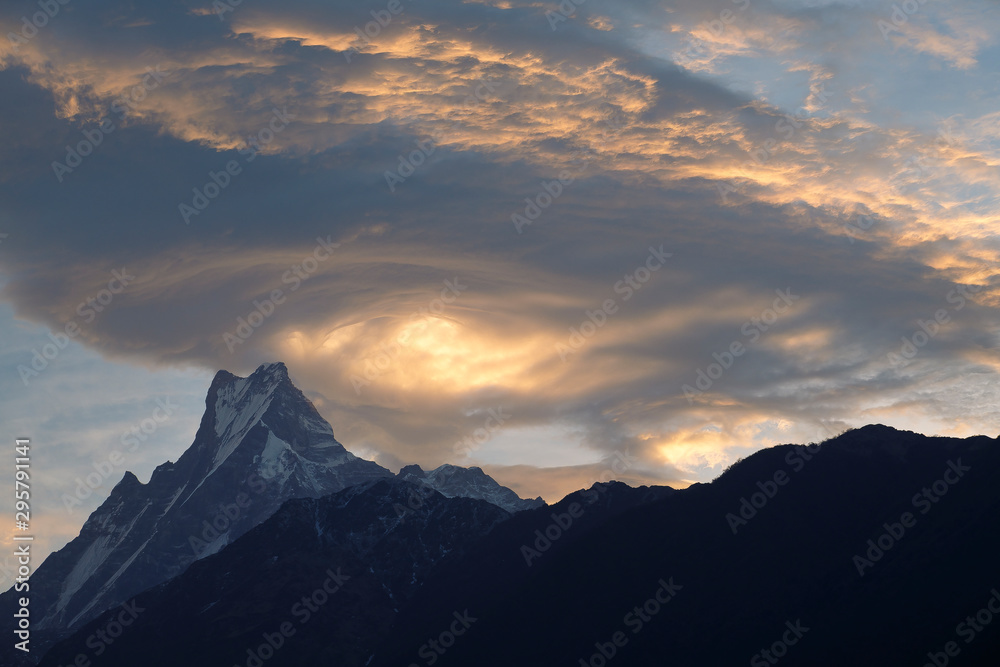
x=22, y=519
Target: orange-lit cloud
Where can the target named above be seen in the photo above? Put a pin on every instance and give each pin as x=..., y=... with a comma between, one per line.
x=795, y=149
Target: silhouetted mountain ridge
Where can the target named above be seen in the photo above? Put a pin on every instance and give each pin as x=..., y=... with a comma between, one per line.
x=370, y=535
x=260, y=443
x=788, y=568
x=779, y=553
x=791, y=559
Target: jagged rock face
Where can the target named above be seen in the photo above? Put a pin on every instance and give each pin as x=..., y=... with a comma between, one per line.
x=260, y=443
x=364, y=541
x=453, y=481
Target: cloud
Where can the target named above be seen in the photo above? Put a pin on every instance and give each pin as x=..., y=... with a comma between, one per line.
x=537, y=168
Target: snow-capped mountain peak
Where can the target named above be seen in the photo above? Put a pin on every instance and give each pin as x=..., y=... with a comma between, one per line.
x=454, y=481
x=260, y=443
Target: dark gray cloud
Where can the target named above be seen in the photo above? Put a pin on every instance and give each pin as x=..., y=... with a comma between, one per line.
x=748, y=193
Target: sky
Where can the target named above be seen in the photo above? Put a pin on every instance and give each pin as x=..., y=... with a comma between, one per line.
x=565, y=242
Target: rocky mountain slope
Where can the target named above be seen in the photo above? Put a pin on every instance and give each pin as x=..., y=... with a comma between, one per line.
x=260, y=443
x=454, y=481
x=332, y=572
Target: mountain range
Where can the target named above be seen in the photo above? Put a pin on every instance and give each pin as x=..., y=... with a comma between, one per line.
x=260, y=443
x=267, y=542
